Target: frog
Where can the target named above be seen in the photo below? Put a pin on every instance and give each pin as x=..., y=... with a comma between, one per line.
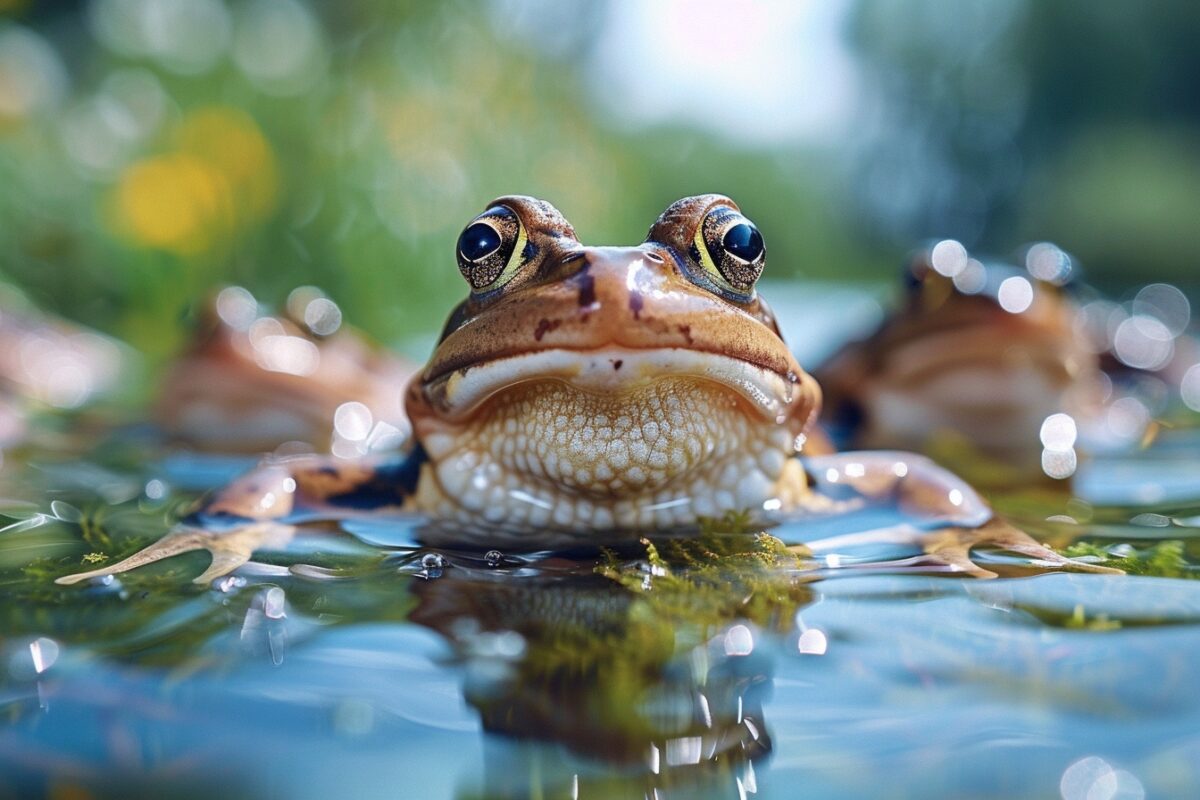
x=588, y=396
x=49, y=363
x=252, y=381
x=978, y=352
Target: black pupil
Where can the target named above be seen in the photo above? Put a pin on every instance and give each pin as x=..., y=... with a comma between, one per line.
x=478, y=241
x=743, y=241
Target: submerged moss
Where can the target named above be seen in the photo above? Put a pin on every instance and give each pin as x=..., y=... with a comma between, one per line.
x=1165, y=559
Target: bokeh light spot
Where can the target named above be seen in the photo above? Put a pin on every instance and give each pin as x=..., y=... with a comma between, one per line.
x=32, y=77
x=1058, y=432
x=1143, y=342
x=1165, y=303
x=1189, y=387
x=1015, y=294
x=1047, y=262
x=948, y=257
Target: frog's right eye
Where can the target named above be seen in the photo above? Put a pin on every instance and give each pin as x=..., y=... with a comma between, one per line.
x=491, y=249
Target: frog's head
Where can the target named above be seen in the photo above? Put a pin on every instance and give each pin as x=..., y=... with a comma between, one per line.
x=609, y=387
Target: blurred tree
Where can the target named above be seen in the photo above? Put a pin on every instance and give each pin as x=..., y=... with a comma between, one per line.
x=996, y=121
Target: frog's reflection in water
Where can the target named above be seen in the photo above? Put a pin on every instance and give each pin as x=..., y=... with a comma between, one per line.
x=656, y=664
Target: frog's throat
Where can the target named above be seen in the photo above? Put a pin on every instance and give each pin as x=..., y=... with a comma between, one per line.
x=584, y=443
x=778, y=399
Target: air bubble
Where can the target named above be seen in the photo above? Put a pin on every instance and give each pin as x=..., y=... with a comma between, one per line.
x=432, y=565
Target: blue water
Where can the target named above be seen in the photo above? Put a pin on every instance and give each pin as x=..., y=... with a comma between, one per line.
x=357, y=663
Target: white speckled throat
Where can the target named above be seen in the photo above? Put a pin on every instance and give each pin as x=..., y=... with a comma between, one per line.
x=608, y=440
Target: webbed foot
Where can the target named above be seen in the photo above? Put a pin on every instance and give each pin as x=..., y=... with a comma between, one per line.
x=230, y=548
x=950, y=548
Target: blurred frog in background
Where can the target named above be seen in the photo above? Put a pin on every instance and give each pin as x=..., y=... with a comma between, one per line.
x=1004, y=372
x=252, y=381
x=49, y=363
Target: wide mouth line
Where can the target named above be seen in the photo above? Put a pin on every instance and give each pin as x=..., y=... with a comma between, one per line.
x=613, y=370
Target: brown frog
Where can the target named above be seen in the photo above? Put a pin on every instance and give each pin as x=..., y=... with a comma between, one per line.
x=593, y=395
x=253, y=381
x=981, y=354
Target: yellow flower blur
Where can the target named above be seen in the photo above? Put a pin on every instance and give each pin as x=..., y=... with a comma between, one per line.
x=174, y=202
x=220, y=180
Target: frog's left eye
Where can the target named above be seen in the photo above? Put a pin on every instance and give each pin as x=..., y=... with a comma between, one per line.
x=730, y=249
x=491, y=249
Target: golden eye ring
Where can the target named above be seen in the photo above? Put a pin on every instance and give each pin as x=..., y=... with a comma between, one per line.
x=491, y=249
x=730, y=249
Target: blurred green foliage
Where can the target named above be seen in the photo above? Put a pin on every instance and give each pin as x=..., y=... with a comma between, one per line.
x=1014, y=121
x=274, y=144
x=424, y=115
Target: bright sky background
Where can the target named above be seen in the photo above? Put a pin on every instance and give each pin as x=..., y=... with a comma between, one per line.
x=758, y=72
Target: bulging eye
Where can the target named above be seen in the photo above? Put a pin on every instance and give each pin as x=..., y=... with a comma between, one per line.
x=491, y=249
x=730, y=249
x=743, y=242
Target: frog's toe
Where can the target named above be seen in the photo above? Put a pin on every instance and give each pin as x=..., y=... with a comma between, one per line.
x=952, y=547
x=181, y=540
x=229, y=549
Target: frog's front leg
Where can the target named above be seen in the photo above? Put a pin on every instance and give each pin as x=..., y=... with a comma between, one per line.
x=944, y=516
x=257, y=510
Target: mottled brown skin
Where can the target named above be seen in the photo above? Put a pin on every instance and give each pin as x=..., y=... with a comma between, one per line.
x=692, y=404
x=949, y=363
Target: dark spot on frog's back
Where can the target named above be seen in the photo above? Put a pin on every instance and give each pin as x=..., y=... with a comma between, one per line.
x=686, y=330
x=587, y=287
x=636, y=302
x=544, y=326
x=617, y=362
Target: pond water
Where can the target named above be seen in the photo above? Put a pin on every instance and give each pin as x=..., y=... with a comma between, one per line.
x=356, y=663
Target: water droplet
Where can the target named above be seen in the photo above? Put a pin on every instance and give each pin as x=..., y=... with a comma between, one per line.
x=493, y=558
x=274, y=603
x=432, y=565
x=739, y=641
x=44, y=653
x=229, y=584
x=813, y=642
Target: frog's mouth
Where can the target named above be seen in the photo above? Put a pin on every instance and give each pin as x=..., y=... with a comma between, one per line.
x=614, y=371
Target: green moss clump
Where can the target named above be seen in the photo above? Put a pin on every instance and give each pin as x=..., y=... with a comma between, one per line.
x=1165, y=559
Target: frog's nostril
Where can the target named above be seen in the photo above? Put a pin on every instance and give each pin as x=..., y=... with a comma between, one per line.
x=655, y=257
